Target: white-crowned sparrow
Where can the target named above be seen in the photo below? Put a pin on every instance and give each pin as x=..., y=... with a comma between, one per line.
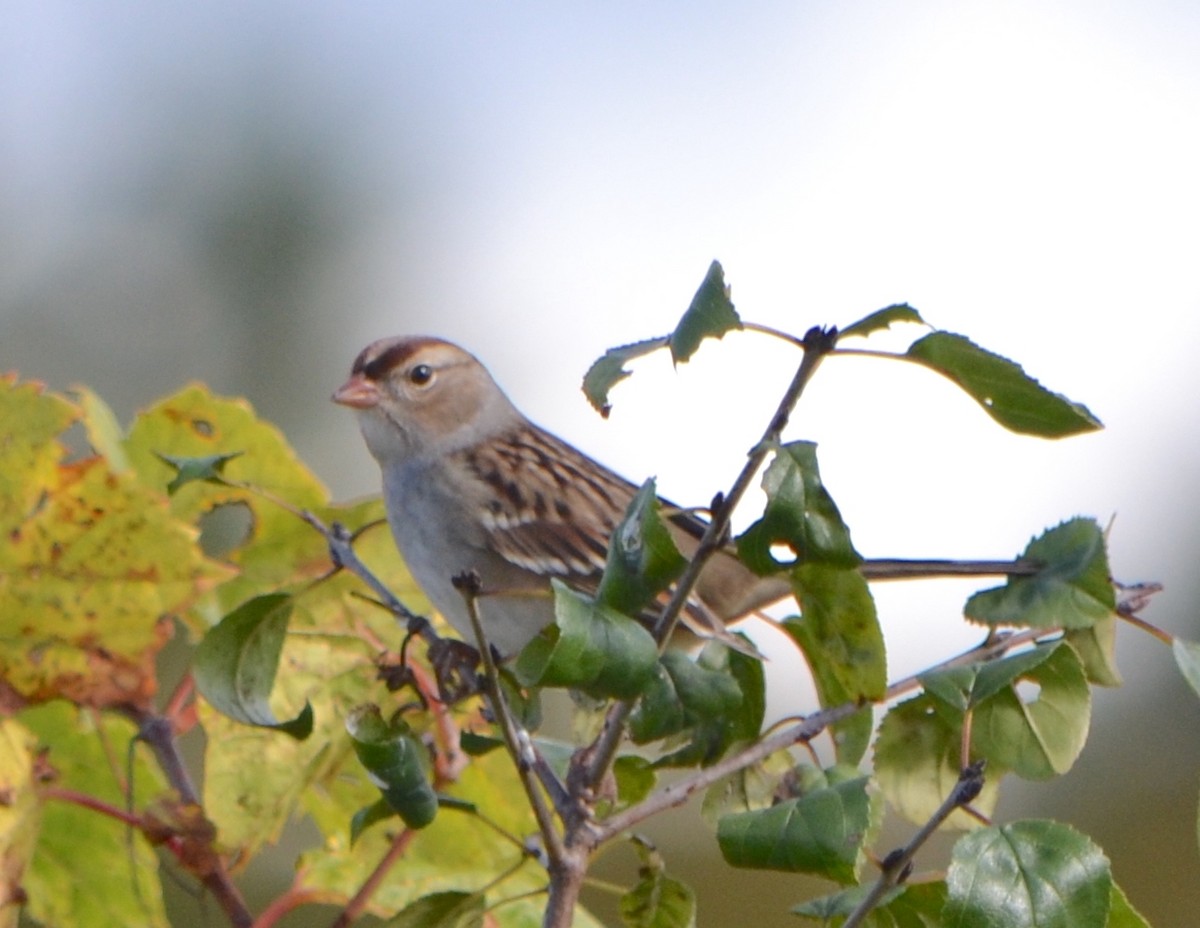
x=471, y=484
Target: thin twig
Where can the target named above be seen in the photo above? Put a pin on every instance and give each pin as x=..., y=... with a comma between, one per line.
x=817, y=343
x=158, y=733
x=358, y=903
x=341, y=550
x=679, y=792
x=898, y=864
x=517, y=741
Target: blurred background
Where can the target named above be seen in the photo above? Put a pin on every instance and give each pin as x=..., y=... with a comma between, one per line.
x=247, y=193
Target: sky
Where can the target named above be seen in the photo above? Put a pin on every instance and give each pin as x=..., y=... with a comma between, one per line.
x=541, y=181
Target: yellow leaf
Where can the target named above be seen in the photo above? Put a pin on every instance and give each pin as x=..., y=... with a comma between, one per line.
x=92, y=569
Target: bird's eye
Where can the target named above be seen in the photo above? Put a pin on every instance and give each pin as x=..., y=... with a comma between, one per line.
x=421, y=375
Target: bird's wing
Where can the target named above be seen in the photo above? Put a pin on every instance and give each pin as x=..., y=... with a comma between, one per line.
x=552, y=509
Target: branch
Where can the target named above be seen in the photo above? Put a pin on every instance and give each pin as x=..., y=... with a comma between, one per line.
x=516, y=740
x=817, y=343
x=679, y=792
x=898, y=864
x=904, y=569
x=157, y=731
x=358, y=904
x=341, y=551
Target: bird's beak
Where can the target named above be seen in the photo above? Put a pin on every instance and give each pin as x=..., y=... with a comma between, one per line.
x=357, y=393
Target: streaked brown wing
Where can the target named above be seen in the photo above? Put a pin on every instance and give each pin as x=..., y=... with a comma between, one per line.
x=552, y=508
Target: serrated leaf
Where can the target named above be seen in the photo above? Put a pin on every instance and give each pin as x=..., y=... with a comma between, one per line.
x=1121, y=913
x=966, y=687
x=589, y=647
x=20, y=808
x=451, y=909
x=642, y=557
x=881, y=319
x=1042, y=737
x=93, y=565
x=917, y=762
x=710, y=704
x=1071, y=588
x=839, y=634
x=1002, y=388
x=208, y=469
x=710, y=315
x=235, y=665
x=609, y=370
x=278, y=549
x=1030, y=874
x=800, y=514
x=1187, y=659
x=396, y=762
x=820, y=833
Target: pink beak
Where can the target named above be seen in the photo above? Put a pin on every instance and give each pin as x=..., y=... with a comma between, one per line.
x=357, y=393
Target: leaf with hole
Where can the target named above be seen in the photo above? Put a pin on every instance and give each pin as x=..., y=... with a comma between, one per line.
x=1002, y=388
x=800, y=515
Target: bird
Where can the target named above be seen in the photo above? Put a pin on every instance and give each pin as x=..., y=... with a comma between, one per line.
x=472, y=485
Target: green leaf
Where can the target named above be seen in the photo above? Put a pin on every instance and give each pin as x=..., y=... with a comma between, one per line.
x=881, y=319
x=378, y=811
x=839, y=633
x=1042, y=737
x=916, y=906
x=1121, y=914
x=800, y=514
x=1097, y=650
x=451, y=909
x=917, y=762
x=591, y=647
x=642, y=557
x=189, y=470
x=635, y=778
x=719, y=701
x=1031, y=874
x=1187, y=659
x=608, y=371
x=710, y=315
x=396, y=762
x=683, y=693
x=966, y=687
x=1071, y=588
x=657, y=901
x=235, y=665
x=821, y=832
x=1002, y=388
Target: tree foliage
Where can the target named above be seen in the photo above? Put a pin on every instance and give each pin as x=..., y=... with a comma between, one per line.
x=199, y=524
